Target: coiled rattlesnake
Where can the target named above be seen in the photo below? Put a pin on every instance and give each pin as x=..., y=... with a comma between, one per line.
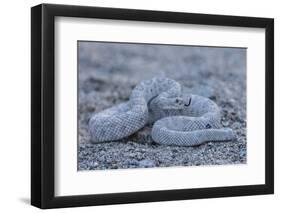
x=178, y=119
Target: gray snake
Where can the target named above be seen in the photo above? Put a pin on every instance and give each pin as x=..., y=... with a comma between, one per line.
x=177, y=118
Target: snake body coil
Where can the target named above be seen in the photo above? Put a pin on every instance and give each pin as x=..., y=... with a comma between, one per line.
x=178, y=119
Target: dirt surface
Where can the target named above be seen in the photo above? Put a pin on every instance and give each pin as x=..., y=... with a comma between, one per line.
x=109, y=71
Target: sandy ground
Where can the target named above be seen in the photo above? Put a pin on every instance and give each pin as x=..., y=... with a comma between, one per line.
x=109, y=71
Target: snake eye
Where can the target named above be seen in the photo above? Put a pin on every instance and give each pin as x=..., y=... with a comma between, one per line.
x=177, y=100
x=208, y=126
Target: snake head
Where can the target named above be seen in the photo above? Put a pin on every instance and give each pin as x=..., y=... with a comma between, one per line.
x=176, y=103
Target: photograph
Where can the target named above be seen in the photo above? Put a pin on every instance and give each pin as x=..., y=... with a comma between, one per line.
x=146, y=105
x=138, y=105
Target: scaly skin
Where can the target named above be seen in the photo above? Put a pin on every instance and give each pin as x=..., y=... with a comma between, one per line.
x=179, y=119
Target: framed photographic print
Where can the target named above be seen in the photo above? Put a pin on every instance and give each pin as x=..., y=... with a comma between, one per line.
x=140, y=106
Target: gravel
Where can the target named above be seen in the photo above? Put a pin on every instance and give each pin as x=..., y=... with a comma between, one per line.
x=109, y=71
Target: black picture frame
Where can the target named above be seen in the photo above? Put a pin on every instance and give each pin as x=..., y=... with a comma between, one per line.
x=43, y=102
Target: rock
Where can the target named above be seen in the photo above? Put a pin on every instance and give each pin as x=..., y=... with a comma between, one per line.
x=236, y=125
x=133, y=162
x=225, y=123
x=242, y=153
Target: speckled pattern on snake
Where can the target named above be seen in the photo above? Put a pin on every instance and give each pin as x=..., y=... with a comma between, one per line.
x=177, y=118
